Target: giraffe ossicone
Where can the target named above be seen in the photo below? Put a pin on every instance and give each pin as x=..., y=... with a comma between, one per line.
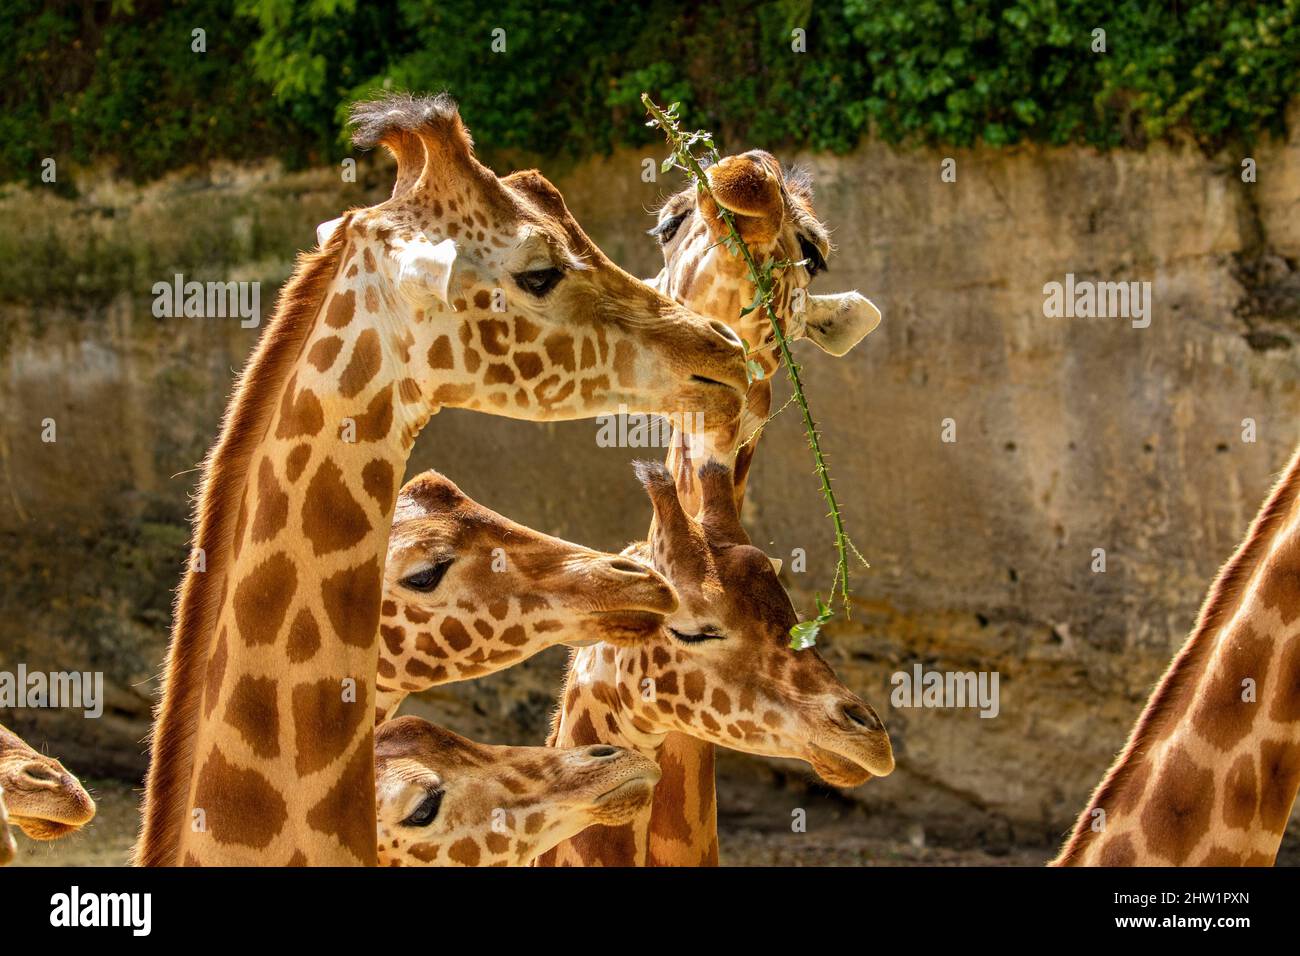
x=444, y=800
x=263, y=742
x=468, y=592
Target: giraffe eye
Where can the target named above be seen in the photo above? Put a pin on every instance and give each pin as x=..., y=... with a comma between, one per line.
x=708, y=634
x=428, y=579
x=665, y=231
x=816, y=261
x=424, y=814
x=538, y=282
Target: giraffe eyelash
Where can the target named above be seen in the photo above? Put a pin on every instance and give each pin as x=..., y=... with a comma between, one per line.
x=665, y=231
x=427, y=579
x=426, y=812
x=700, y=638
x=810, y=252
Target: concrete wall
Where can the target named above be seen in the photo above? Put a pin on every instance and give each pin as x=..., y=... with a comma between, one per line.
x=1072, y=435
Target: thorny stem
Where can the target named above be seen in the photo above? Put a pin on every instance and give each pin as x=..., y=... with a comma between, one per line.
x=681, y=144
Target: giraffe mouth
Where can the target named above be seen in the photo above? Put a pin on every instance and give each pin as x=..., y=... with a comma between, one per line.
x=622, y=803
x=36, y=828
x=705, y=380
x=636, y=787
x=846, y=772
x=625, y=627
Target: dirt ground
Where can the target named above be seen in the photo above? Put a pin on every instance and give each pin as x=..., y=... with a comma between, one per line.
x=833, y=838
x=757, y=834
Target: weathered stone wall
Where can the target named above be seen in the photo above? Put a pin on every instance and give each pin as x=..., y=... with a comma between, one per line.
x=1072, y=434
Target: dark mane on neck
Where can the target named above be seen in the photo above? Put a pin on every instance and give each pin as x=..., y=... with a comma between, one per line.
x=1166, y=704
x=198, y=602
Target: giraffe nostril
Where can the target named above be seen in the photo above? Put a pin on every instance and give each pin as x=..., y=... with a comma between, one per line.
x=40, y=774
x=602, y=751
x=626, y=566
x=862, y=716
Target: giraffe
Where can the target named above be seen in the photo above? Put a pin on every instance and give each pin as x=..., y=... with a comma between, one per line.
x=468, y=592
x=1210, y=771
x=774, y=213
x=38, y=795
x=447, y=801
x=8, y=849
x=462, y=289
x=721, y=670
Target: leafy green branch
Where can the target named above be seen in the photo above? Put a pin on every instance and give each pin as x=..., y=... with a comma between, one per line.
x=763, y=275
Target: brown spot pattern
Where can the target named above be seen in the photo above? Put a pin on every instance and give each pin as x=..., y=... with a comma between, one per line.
x=304, y=637
x=252, y=711
x=262, y=599
x=324, y=352
x=272, y=504
x=240, y=805
x=347, y=812
x=363, y=366
x=332, y=519
x=377, y=479
x=342, y=307
x=1175, y=823
x=323, y=723
x=351, y=599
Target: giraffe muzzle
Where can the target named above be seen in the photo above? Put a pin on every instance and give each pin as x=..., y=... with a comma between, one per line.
x=622, y=782
x=46, y=803
x=855, y=748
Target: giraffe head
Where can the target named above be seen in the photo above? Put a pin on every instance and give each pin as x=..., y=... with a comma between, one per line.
x=447, y=801
x=773, y=212
x=468, y=592
x=42, y=799
x=722, y=670
x=493, y=298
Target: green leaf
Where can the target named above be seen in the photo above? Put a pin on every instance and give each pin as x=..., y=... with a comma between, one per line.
x=804, y=634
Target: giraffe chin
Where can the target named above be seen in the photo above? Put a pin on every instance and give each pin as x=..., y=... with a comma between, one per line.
x=623, y=628
x=837, y=770
x=37, y=829
x=624, y=802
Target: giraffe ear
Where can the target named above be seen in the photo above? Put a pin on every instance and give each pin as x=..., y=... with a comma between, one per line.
x=427, y=269
x=839, y=322
x=325, y=230
x=777, y=564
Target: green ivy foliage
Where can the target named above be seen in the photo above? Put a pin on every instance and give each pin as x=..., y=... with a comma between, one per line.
x=118, y=80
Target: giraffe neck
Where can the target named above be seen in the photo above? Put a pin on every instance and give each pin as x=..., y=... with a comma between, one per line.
x=263, y=747
x=683, y=825
x=678, y=836
x=1211, y=769
x=387, y=702
x=595, y=710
